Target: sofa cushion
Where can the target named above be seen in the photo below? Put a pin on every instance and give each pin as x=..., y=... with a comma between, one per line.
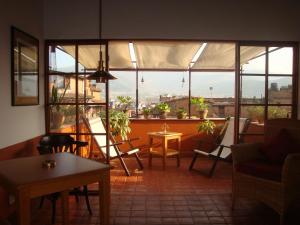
x=261, y=168
x=277, y=149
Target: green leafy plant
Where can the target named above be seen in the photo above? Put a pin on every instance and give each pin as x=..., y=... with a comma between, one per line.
x=206, y=126
x=256, y=113
x=277, y=112
x=119, y=123
x=125, y=102
x=181, y=113
x=146, y=112
x=200, y=103
x=163, y=107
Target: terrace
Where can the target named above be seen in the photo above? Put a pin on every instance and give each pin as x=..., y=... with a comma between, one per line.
x=162, y=70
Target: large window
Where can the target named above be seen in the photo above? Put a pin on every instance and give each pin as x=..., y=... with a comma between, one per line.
x=267, y=83
x=172, y=73
x=70, y=95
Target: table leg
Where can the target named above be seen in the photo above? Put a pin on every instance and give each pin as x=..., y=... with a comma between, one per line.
x=165, y=147
x=65, y=207
x=178, y=148
x=23, y=207
x=150, y=148
x=104, y=198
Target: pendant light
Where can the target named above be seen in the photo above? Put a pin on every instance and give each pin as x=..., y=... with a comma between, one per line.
x=101, y=76
x=142, y=80
x=183, y=80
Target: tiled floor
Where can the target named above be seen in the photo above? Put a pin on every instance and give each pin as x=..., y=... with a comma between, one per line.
x=173, y=196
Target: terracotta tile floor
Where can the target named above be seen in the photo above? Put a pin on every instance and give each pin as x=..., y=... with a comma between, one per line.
x=174, y=196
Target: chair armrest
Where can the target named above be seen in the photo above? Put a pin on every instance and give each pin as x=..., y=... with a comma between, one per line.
x=81, y=143
x=291, y=175
x=245, y=152
x=115, y=144
x=130, y=140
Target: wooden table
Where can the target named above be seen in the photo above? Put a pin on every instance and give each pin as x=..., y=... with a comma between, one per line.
x=26, y=179
x=164, y=152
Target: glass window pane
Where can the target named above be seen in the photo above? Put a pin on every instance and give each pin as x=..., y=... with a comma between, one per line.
x=95, y=92
x=62, y=58
x=218, y=90
x=281, y=60
x=163, y=87
x=89, y=112
x=123, y=88
x=279, y=112
x=254, y=113
x=280, y=90
x=252, y=89
x=62, y=89
x=63, y=118
x=252, y=60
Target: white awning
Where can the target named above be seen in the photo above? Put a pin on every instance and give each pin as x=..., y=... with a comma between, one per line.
x=165, y=55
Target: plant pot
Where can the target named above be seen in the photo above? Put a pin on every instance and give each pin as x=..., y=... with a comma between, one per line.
x=163, y=115
x=146, y=116
x=58, y=119
x=203, y=114
x=181, y=115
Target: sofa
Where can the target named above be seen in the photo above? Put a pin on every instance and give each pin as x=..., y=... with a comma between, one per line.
x=270, y=172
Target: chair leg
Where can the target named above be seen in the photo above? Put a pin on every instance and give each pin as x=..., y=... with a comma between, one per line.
x=150, y=160
x=41, y=202
x=216, y=161
x=213, y=167
x=139, y=161
x=85, y=191
x=233, y=200
x=124, y=166
x=193, y=161
x=53, y=202
x=282, y=219
x=178, y=161
x=76, y=190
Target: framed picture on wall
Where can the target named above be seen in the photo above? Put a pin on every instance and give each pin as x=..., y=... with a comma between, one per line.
x=24, y=68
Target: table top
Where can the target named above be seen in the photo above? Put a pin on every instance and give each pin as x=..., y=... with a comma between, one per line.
x=29, y=170
x=164, y=134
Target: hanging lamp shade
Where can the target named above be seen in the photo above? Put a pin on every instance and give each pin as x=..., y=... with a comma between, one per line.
x=101, y=76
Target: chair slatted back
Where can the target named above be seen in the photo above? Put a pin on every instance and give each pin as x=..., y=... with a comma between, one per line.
x=228, y=137
x=56, y=143
x=95, y=125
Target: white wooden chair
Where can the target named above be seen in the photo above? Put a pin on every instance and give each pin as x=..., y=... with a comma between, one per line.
x=95, y=125
x=222, y=151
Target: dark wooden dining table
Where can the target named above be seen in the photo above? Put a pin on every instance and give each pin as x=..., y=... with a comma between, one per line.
x=26, y=178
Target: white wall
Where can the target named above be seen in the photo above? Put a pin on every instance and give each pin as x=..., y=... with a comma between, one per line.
x=23, y=122
x=174, y=19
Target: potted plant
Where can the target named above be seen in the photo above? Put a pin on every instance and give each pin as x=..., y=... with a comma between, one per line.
x=146, y=112
x=181, y=113
x=163, y=109
x=202, y=107
x=57, y=115
x=207, y=127
x=125, y=102
x=119, y=123
x=256, y=113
